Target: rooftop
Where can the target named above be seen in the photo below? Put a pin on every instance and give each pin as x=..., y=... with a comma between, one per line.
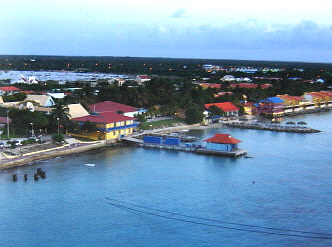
x=104, y=118
x=223, y=139
x=110, y=106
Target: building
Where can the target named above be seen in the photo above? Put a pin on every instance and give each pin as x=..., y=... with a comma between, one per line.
x=109, y=125
x=9, y=90
x=319, y=99
x=76, y=111
x=110, y=106
x=292, y=103
x=143, y=78
x=222, y=142
x=248, y=107
x=271, y=107
x=227, y=107
x=42, y=100
x=4, y=121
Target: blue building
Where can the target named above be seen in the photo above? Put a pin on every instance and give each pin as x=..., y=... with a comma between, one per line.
x=222, y=142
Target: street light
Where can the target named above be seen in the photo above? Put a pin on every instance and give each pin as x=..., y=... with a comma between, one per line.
x=150, y=127
x=32, y=133
x=7, y=125
x=58, y=125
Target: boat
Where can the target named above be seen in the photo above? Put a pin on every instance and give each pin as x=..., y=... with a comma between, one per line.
x=90, y=164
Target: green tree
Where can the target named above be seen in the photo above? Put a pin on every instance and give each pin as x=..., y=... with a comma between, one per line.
x=194, y=114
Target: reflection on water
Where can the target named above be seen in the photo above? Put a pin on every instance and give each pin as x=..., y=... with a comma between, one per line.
x=283, y=186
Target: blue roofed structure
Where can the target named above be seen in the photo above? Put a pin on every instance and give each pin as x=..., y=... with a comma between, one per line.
x=272, y=107
x=272, y=100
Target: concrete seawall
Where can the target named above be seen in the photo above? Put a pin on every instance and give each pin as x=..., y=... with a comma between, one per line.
x=49, y=154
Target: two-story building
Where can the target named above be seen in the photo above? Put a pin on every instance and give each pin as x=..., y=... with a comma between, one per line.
x=109, y=125
x=271, y=107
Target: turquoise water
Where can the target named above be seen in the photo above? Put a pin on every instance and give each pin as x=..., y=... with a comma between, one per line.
x=286, y=185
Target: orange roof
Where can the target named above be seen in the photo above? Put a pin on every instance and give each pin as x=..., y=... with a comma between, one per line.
x=225, y=106
x=9, y=89
x=223, y=138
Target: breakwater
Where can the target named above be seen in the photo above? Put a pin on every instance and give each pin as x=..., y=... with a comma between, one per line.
x=278, y=128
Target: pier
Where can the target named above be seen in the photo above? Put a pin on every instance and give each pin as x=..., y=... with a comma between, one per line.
x=186, y=148
x=277, y=128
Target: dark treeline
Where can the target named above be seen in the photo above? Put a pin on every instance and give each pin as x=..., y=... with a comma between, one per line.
x=142, y=65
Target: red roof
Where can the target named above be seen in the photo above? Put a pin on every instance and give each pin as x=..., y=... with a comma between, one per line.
x=9, y=89
x=104, y=118
x=223, y=138
x=144, y=77
x=225, y=106
x=3, y=120
x=210, y=85
x=110, y=106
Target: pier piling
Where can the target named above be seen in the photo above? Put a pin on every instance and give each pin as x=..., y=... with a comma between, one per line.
x=14, y=177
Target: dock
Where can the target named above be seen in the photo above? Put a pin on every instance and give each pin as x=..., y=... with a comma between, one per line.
x=185, y=148
x=277, y=128
x=234, y=153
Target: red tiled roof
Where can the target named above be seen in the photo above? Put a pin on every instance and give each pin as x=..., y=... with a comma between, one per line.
x=3, y=120
x=144, y=77
x=244, y=85
x=110, y=106
x=265, y=86
x=210, y=85
x=225, y=106
x=223, y=138
x=104, y=118
x=9, y=89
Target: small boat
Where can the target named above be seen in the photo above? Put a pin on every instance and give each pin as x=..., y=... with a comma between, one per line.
x=248, y=156
x=90, y=164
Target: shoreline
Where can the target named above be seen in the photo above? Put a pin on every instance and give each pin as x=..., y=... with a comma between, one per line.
x=7, y=163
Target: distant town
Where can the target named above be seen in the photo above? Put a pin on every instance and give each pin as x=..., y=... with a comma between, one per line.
x=108, y=98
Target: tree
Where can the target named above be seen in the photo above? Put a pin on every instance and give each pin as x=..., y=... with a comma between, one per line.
x=194, y=114
x=215, y=111
x=57, y=138
x=60, y=115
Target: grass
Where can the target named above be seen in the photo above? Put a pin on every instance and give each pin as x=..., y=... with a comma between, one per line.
x=160, y=124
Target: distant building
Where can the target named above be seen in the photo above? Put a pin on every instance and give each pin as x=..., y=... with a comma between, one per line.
x=42, y=100
x=222, y=142
x=76, y=111
x=4, y=121
x=272, y=107
x=228, y=78
x=9, y=90
x=109, y=125
x=110, y=106
x=227, y=107
x=143, y=78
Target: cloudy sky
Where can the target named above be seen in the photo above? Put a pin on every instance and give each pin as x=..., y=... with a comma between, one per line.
x=284, y=30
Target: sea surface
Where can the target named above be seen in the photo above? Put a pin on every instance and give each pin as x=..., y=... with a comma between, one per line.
x=146, y=197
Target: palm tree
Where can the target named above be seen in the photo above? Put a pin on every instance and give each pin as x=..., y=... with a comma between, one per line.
x=60, y=114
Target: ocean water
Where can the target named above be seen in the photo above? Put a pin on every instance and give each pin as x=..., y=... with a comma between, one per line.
x=231, y=202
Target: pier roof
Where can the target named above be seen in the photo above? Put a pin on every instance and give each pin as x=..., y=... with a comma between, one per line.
x=223, y=138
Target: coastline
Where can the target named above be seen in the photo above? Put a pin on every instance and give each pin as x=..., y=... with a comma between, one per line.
x=67, y=149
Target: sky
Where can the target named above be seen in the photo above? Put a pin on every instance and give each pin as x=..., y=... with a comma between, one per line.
x=283, y=30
